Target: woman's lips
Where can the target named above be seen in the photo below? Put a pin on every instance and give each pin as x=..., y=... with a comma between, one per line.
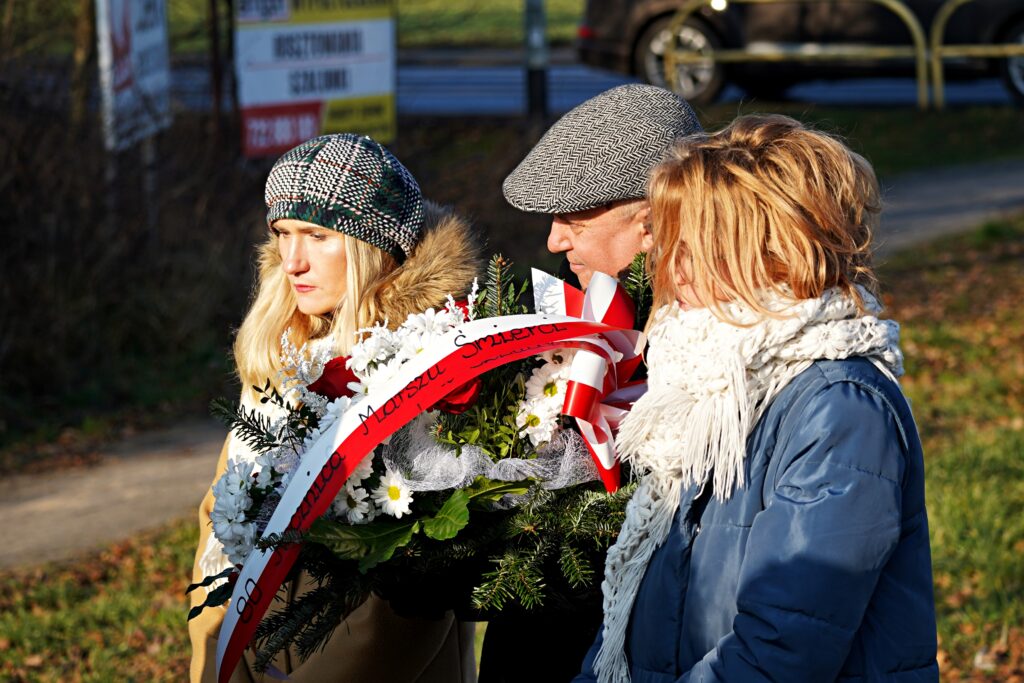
x=302, y=289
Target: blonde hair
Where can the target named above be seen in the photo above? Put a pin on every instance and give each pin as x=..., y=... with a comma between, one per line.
x=274, y=310
x=764, y=204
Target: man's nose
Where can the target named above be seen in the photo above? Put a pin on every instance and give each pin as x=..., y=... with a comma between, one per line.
x=558, y=237
x=294, y=259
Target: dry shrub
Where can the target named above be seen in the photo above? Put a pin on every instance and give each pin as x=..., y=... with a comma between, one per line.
x=99, y=308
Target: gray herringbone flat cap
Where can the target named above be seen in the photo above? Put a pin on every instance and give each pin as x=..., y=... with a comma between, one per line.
x=601, y=151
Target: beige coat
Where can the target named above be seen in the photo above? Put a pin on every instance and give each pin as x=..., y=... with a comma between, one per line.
x=373, y=643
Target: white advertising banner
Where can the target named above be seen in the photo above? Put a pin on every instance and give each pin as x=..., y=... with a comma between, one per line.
x=135, y=75
x=307, y=67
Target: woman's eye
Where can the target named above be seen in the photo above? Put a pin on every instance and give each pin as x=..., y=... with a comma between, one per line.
x=319, y=236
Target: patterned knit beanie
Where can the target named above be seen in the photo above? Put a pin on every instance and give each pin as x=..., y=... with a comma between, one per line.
x=352, y=184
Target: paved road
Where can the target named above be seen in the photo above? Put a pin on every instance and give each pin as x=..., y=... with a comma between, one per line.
x=492, y=82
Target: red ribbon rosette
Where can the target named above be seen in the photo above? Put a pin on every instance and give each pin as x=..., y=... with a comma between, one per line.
x=599, y=393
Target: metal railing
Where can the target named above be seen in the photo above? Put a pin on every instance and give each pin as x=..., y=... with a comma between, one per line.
x=938, y=51
x=924, y=52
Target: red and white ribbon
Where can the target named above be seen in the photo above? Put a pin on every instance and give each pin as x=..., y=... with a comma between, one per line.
x=459, y=356
x=599, y=393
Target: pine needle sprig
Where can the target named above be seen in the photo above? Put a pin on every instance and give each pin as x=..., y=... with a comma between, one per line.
x=308, y=621
x=518, y=576
x=251, y=426
x=638, y=286
x=280, y=629
x=576, y=568
x=321, y=627
x=501, y=294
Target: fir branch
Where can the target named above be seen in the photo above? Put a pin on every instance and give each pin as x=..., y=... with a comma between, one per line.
x=496, y=589
x=314, y=638
x=494, y=288
x=279, y=630
x=501, y=294
x=576, y=568
x=251, y=426
x=638, y=286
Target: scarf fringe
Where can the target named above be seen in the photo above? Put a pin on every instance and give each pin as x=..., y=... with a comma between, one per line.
x=648, y=521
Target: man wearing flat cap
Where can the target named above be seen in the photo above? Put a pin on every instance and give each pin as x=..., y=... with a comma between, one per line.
x=589, y=172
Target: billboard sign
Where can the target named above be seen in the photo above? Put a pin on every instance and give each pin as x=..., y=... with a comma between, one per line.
x=135, y=76
x=307, y=67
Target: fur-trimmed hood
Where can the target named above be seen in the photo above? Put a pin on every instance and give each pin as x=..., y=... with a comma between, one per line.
x=444, y=262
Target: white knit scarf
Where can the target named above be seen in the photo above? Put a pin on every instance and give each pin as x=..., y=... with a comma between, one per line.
x=709, y=382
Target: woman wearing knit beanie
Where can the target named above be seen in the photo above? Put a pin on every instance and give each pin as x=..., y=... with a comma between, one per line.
x=351, y=243
x=779, y=531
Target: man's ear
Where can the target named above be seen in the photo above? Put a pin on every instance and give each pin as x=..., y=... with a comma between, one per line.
x=643, y=218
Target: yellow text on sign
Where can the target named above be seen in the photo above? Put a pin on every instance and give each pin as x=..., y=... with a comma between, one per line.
x=373, y=116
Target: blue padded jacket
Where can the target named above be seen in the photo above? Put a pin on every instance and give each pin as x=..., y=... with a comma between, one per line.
x=819, y=569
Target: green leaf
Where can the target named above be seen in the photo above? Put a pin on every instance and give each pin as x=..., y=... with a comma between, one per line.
x=210, y=579
x=450, y=519
x=371, y=543
x=215, y=598
x=485, y=490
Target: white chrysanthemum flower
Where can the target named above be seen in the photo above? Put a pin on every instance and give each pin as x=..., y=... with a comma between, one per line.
x=393, y=496
x=241, y=547
x=538, y=420
x=382, y=374
x=264, y=470
x=549, y=380
x=413, y=343
x=231, y=503
x=428, y=323
x=378, y=344
x=559, y=357
x=352, y=504
x=363, y=470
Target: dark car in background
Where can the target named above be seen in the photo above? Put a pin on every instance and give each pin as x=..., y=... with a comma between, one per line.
x=631, y=37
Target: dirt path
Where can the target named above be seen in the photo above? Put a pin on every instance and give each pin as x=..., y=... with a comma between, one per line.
x=926, y=204
x=140, y=483
x=150, y=479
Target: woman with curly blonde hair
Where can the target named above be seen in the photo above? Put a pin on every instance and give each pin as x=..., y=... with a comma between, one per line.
x=351, y=243
x=779, y=531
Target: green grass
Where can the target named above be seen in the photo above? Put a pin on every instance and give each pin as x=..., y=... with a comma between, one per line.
x=899, y=139
x=119, y=615
x=958, y=301
x=421, y=23
x=480, y=23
